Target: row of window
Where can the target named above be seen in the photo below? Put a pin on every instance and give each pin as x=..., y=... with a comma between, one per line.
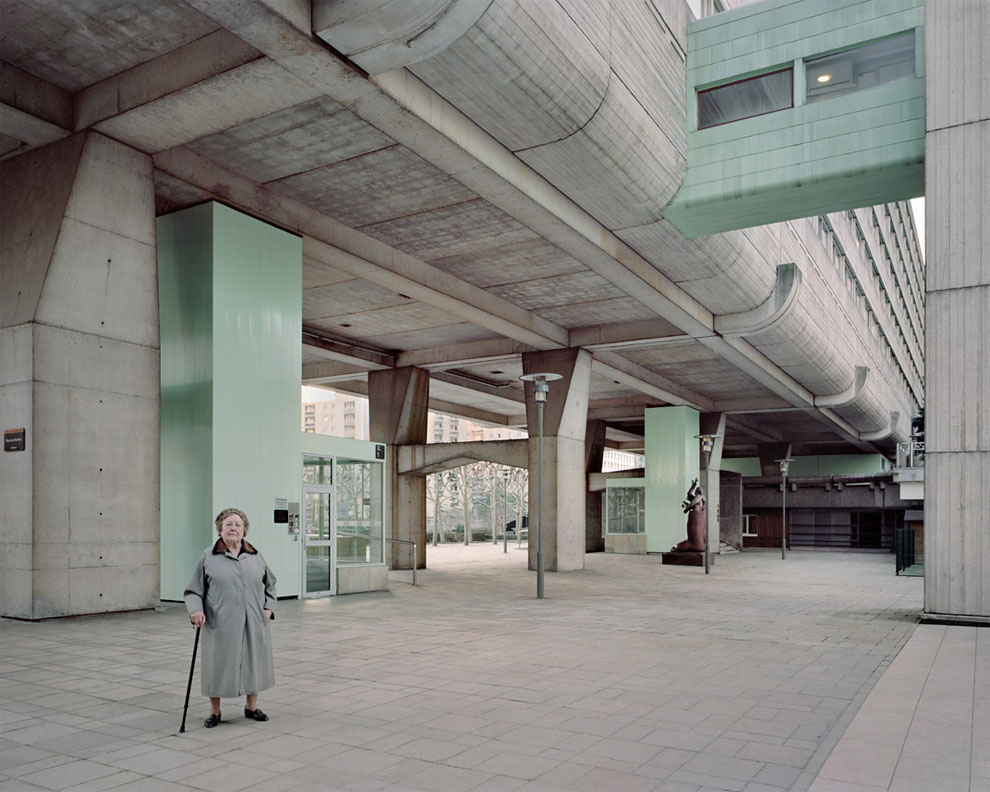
x=902, y=357
x=866, y=66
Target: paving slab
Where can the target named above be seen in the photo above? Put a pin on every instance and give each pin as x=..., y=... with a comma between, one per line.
x=629, y=675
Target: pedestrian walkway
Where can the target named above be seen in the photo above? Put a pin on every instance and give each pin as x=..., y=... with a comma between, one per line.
x=629, y=676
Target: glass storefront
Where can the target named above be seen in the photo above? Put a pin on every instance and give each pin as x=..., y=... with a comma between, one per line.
x=359, y=512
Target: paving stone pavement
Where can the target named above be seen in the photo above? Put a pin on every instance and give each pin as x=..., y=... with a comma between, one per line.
x=629, y=676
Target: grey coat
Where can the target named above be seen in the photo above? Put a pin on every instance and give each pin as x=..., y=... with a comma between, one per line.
x=233, y=592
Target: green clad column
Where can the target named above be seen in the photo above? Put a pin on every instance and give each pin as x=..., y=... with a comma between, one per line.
x=230, y=292
x=672, y=462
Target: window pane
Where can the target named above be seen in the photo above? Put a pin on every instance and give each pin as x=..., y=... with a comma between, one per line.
x=863, y=67
x=755, y=96
x=317, y=470
x=358, y=496
x=624, y=508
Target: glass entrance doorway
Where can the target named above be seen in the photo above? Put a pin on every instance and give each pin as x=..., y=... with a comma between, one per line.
x=318, y=540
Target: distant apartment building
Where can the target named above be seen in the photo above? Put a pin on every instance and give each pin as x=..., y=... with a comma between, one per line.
x=346, y=415
x=342, y=415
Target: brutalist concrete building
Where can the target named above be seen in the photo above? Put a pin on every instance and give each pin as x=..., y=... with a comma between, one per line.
x=697, y=225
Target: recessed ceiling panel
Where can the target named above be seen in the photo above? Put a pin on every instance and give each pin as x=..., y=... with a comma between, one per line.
x=384, y=184
x=75, y=44
x=290, y=141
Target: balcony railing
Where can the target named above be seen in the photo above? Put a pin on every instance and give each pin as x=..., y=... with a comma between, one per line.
x=911, y=455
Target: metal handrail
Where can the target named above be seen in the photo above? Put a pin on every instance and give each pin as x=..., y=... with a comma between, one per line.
x=415, y=556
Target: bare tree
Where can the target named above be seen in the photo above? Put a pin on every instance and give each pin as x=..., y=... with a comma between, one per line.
x=438, y=489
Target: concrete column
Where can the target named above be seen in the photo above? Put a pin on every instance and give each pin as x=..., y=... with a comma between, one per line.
x=713, y=423
x=398, y=401
x=79, y=372
x=957, y=312
x=564, y=481
x=594, y=454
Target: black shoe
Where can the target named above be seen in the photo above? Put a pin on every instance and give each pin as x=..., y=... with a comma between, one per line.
x=255, y=714
x=212, y=721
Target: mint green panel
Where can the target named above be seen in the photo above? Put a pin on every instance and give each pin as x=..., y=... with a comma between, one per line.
x=857, y=149
x=257, y=370
x=231, y=291
x=744, y=466
x=829, y=465
x=672, y=461
x=185, y=296
x=838, y=465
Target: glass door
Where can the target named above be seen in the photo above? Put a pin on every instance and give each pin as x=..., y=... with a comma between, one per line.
x=318, y=540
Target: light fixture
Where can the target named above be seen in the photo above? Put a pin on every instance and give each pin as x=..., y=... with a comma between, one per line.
x=540, y=390
x=824, y=78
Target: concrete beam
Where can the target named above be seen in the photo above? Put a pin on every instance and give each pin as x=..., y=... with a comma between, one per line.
x=756, y=431
x=616, y=367
x=360, y=388
x=646, y=332
x=333, y=349
x=331, y=372
x=489, y=351
x=196, y=62
x=32, y=110
x=421, y=460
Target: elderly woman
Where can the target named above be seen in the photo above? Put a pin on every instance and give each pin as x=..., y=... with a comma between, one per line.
x=232, y=597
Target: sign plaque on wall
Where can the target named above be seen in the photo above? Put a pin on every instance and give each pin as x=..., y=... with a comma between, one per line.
x=14, y=439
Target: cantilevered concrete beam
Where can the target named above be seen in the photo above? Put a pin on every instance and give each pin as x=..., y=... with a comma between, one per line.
x=421, y=460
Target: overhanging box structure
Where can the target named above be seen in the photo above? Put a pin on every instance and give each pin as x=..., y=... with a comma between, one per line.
x=850, y=132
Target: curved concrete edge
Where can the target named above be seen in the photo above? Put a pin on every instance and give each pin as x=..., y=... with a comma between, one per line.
x=849, y=395
x=882, y=434
x=770, y=312
x=381, y=36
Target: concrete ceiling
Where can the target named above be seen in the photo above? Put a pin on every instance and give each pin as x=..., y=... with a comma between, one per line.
x=407, y=260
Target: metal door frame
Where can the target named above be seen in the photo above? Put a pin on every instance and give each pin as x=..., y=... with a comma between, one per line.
x=323, y=489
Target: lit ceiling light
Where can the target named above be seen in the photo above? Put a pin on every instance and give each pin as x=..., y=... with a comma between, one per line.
x=824, y=78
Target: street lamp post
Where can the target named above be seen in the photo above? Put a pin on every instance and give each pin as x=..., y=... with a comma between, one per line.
x=784, y=465
x=540, y=390
x=707, y=444
x=505, y=510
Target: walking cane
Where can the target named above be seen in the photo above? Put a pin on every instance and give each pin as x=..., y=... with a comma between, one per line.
x=192, y=667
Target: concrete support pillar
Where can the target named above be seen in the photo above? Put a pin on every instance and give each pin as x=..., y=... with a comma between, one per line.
x=672, y=462
x=957, y=313
x=713, y=423
x=398, y=401
x=79, y=372
x=594, y=453
x=769, y=454
x=564, y=481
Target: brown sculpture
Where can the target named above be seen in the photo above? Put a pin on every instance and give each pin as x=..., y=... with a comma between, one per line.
x=694, y=506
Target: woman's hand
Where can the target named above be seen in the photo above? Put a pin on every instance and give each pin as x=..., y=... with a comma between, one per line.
x=269, y=615
x=198, y=618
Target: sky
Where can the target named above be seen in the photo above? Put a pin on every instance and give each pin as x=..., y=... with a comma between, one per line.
x=918, y=210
